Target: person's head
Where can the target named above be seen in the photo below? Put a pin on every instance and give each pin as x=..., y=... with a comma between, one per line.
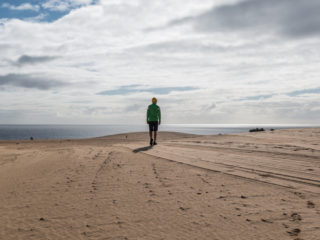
x=154, y=100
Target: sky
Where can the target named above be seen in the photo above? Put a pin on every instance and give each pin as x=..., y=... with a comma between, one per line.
x=208, y=61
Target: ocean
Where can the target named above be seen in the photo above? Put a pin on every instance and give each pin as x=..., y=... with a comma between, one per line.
x=23, y=132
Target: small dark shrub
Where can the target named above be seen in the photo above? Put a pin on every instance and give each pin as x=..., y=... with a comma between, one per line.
x=256, y=130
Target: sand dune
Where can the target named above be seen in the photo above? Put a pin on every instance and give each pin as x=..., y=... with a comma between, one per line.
x=262, y=185
x=292, y=164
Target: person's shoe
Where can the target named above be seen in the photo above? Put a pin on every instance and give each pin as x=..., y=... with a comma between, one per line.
x=155, y=143
x=151, y=141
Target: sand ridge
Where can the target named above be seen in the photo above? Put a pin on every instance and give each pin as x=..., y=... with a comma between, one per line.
x=241, y=186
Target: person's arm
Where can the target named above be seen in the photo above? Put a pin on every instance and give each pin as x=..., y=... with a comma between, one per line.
x=147, y=115
x=159, y=116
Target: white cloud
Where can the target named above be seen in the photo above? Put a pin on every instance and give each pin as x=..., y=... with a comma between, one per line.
x=37, y=18
x=56, y=5
x=64, y=5
x=22, y=7
x=117, y=43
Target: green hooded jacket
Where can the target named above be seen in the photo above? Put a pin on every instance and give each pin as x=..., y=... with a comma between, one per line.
x=153, y=113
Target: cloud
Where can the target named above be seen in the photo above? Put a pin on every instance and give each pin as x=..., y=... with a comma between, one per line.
x=22, y=7
x=304, y=91
x=189, y=66
x=290, y=94
x=29, y=81
x=37, y=18
x=290, y=18
x=124, y=90
x=56, y=5
x=28, y=60
x=285, y=111
x=50, y=10
x=181, y=46
x=65, y=5
x=93, y=110
x=209, y=107
x=257, y=97
x=133, y=107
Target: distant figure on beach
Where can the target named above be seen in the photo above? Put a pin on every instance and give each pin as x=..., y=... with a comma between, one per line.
x=153, y=119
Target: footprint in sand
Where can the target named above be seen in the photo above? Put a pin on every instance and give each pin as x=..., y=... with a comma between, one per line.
x=294, y=232
x=183, y=208
x=266, y=220
x=300, y=195
x=295, y=217
x=310, y=204
x=221, y=197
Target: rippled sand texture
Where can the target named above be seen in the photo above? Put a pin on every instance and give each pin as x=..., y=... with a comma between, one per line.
x=262, y=185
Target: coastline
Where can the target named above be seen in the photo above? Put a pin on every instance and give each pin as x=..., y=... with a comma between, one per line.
x=42, y=132
x=262, y=185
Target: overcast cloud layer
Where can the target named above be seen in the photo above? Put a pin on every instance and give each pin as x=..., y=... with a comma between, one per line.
x=209, y=61
x=288, y=18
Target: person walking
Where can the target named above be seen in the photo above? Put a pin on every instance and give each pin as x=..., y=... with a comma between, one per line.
x=153, y=119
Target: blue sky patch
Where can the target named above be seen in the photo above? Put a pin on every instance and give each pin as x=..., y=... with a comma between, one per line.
x=257, y=97
x=304, y=91
x=40, y=11
x=124, y=90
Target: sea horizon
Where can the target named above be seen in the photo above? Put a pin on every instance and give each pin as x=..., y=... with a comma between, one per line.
x=81, y=131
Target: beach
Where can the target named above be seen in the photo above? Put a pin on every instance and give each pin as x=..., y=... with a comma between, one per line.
x=260, y=185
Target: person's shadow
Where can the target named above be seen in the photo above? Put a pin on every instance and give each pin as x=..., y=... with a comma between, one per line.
x=142, y=149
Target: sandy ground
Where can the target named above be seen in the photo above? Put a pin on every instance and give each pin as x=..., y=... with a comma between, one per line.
x=262, y=185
